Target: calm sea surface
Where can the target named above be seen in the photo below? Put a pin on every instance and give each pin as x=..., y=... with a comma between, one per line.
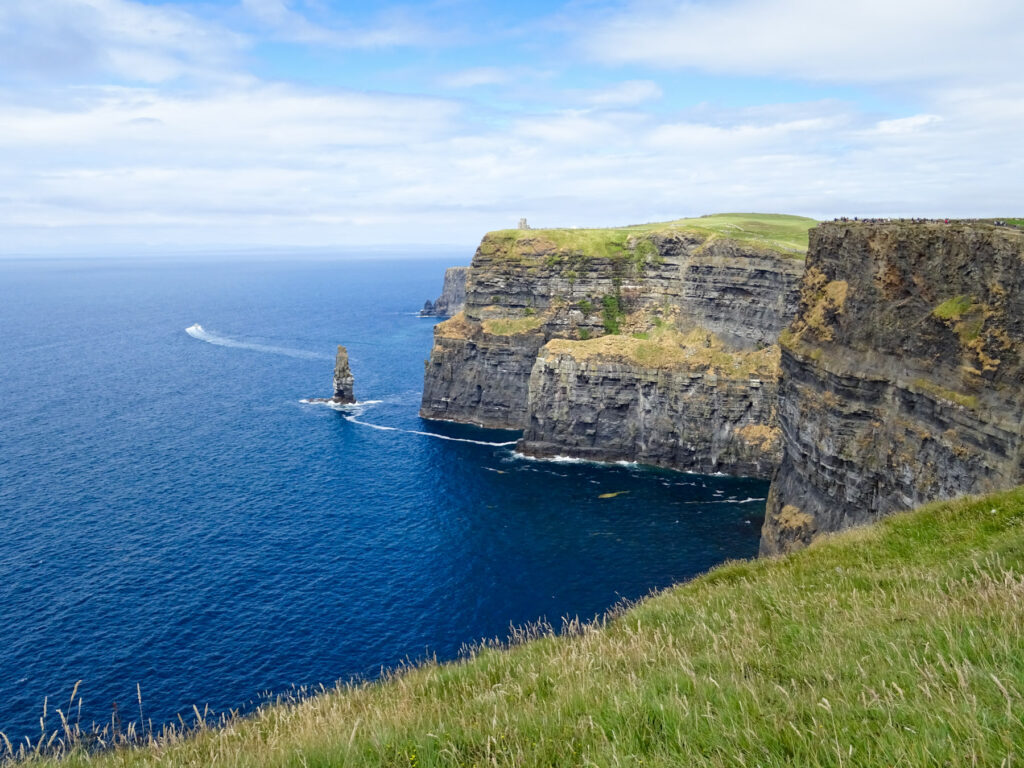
x=172, y=516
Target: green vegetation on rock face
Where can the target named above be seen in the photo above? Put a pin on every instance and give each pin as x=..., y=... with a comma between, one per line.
x=611, y=314
x=780, y=233
x=898, y=644
x=952, y=309
x=512, y=326
x=663, y=347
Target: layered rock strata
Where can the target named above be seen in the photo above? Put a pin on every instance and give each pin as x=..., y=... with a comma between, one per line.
x=695, y=405
x=901, y=377
x=453, y=295
x=344, y=381
x=576, y=396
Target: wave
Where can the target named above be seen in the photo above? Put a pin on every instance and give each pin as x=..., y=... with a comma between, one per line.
x=351, y=411
x=197, y=331
x=381, y=427
x=343, y=407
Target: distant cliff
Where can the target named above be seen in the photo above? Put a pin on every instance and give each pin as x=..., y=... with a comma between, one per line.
x=902, y=376
x=453, y=295
x=661, y=341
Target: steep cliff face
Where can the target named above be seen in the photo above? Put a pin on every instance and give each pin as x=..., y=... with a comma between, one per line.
x=453, y=295
x=901, y=376
x=528, y=288
x=479, y=377
x=344, y=381
x=691, y=403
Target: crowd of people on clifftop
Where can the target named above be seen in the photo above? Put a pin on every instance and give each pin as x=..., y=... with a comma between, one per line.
x=918, y=220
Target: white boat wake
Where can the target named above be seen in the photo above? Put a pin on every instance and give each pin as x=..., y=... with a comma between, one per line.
x=197, y=331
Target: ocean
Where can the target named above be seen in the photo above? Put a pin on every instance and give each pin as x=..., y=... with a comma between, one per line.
x=175, y=521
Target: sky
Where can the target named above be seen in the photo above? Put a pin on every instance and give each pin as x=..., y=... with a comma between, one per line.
x=149, y=126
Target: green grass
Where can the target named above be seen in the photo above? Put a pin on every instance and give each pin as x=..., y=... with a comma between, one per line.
x=899, y=644
x=967, y=401
x=952, y=309
x=780, y=233
x=512, y=326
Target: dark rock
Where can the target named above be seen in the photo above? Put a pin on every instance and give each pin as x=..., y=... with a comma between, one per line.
x=679, y=416
x=343, y=379
x=490, y=365
x=901, y=378
x=453, y=295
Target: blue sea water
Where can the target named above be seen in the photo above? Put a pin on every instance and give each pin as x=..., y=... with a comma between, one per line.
x=172, y=515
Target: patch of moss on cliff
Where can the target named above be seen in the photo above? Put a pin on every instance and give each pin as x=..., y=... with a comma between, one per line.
x=823, y=301
x=667, y=348
x=792, y=519
x=964, y=315
x=952, y=309
x=512, y=326
x=455, y=327
x=931, y=388
x=760, y=436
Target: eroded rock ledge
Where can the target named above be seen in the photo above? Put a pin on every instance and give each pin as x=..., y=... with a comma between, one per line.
x=901, y=376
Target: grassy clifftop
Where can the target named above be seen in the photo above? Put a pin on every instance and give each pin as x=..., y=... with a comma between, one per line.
x=775, y=232
x=899, y=644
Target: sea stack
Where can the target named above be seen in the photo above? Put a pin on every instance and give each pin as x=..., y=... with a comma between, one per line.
x=343, y=379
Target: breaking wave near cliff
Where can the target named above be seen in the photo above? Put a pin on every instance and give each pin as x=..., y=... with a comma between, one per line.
x=352, y=412
x=196, y=331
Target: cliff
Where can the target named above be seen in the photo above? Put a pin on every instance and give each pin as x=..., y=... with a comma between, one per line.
x=732, y=278
x=453, y=295
x=686, y=402
x=343, y=380
x=901, y=376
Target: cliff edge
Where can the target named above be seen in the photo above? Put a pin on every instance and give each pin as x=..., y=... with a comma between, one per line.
x=901, y=377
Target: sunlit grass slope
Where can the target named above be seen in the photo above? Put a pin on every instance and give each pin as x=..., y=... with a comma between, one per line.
x=900, y=644
x=776, y=232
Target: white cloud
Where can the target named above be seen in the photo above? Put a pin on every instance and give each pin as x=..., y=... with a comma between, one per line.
x=236, y=162
x=78, y=38
x=906, y=124
x=396, y=28
x=628, y=93
x=477, y=76
x=857, y=41
x=282, y=166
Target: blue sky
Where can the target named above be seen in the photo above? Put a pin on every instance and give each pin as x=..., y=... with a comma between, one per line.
x=131, y=125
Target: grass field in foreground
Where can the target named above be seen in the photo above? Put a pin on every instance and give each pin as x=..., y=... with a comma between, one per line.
x=777, y=232
x=898, y=644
